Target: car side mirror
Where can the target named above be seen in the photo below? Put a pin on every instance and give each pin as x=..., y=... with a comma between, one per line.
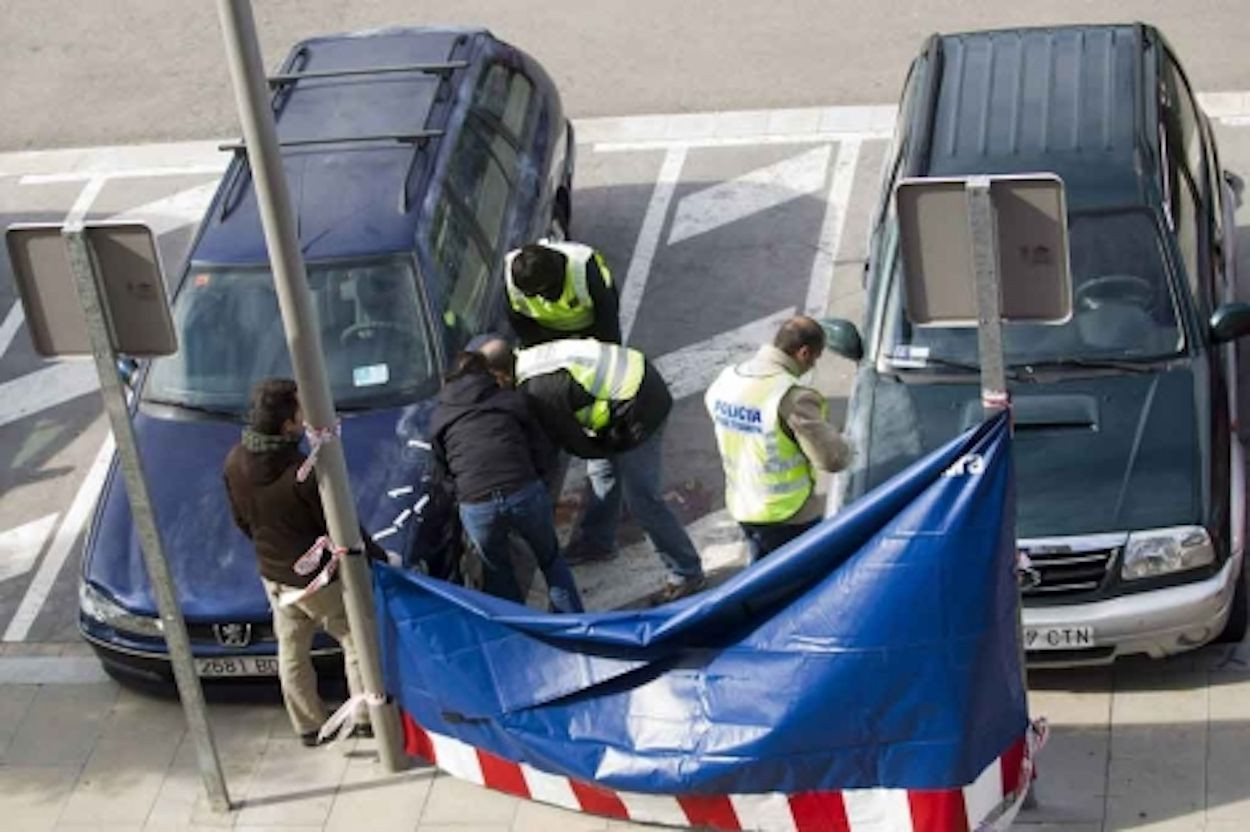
x=127, y=369
x=1229, y=322
x=842, y=337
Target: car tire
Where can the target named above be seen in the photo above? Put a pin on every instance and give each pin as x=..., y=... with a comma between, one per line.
x=1235, y=630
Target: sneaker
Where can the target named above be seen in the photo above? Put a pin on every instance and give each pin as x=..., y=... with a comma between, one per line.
x=310, y=739
x=680, y=589
x=579, y=553
x=363, y=731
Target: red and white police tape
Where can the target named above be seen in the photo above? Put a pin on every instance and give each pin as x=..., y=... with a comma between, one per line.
x=309, y=561
x=316, y=438
x=989, y=804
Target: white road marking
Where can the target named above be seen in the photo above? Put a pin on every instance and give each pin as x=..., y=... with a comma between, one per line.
x=90, y=190
x=740, y=141
x=836, y=205
x=66, y=536
x=46, y=387
x=175, y=211
x=649, y=239
x=51, y=670
x=19, y=547
x=12, y=323
x=691, y=369
x=130, y=173
x=751, y=193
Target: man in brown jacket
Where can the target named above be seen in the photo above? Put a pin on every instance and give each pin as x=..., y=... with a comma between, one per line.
x=283, y=518
x=772, y=434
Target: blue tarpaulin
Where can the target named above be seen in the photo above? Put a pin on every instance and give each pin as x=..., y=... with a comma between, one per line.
x=878, y=650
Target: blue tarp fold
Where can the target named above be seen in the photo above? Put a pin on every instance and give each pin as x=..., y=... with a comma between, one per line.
x=878, y=650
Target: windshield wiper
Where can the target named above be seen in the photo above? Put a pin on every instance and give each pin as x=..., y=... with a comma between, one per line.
x=195, y=408
x=1144, y=364
x=931, y=361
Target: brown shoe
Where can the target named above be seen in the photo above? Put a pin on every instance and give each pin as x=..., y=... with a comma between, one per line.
x=680, y=589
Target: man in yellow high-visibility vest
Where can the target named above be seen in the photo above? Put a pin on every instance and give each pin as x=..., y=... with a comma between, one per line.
x=772, y=432
x=560, y=290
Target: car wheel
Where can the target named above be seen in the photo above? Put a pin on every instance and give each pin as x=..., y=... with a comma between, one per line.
x=1235, y=630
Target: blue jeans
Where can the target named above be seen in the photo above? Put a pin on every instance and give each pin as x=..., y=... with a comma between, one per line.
x=762, y=538
x=636, y=476
x=528, y=512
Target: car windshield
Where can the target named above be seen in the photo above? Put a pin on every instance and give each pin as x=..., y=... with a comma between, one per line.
x=230, y=336
x=1123, y=306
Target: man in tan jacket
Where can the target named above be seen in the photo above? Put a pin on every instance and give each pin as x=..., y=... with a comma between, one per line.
x=772, y=432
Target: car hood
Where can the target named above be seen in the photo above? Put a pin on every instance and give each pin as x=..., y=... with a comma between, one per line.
x=213, y=564
x=1095, y=454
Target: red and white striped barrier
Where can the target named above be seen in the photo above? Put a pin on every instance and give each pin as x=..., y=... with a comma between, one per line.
x=988, y=804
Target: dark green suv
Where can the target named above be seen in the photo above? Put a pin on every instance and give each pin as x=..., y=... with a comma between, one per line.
x=1131, y=492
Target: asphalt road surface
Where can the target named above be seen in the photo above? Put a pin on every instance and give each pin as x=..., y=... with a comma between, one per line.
x=118, y=71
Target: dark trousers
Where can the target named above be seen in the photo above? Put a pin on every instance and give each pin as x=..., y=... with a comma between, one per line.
x=763, y=538
x=527, y=512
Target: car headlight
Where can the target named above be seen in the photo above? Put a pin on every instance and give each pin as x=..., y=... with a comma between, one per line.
x=1161, y=551
x=99, y=607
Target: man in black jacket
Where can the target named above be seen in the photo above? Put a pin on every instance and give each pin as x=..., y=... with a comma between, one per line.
x=283, y=518
x=487, y=444
x=608, y=404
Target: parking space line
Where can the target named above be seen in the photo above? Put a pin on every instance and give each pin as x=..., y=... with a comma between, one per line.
x=90, y=190
x=12, y=323
x=649, y=238
x=66, y=536
x=46, y=388
x=130, y=173
x=739, y=141
x=836, y=205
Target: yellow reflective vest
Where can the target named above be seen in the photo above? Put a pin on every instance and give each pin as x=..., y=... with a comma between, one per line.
x=767, y=476
x=608, y=372
x=574, y=310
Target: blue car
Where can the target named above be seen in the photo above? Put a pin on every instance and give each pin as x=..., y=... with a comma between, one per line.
x=415, y=158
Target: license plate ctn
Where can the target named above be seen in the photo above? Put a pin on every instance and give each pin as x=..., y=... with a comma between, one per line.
x=1058, y=638
x=238, y=666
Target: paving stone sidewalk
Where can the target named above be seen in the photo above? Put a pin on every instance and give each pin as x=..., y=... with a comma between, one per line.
x=1157, y=746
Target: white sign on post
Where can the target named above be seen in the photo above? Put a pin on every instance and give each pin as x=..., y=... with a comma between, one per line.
x=129, y=279
x=1029, y=237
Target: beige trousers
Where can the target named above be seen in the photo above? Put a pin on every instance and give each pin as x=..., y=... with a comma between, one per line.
x=294, y=626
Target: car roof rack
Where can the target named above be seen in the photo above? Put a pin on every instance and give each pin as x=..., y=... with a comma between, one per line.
x=444, y=67
x=284, y=82
x=240, y=147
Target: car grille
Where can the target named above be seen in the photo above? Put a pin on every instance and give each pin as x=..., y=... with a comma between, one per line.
x=261, y=631
x=1068, y=573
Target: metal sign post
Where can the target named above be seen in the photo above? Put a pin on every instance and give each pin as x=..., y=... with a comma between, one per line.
x=976, y=251
x=304, y=341
x=83, y=267
x=982, y=226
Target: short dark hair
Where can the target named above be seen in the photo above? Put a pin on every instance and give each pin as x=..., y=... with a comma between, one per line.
x=537, y=268
x=798, y=332
x=498, y=355
x=467, y=364
x=274, y=403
